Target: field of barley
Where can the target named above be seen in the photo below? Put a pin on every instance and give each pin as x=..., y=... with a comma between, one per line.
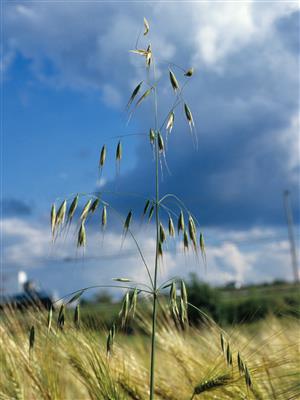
x=250, y=361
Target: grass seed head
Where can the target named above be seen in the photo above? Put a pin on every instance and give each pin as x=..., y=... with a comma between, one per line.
x=61, y=213
x=228, y=355
x=127, y=221
x=160, y=142
x=148, y=56
x=160, y=249
x=152, y=137
x=222, y=342
x=192, y=232
x=85, y=210
x=162, y=233
x=119, y=151
x=185, y=240
x=53, y=219
x=104, y=217
x=180, y=225
x=102, y=156
x=212, y=384
x=173, y=80
x=170, y=122
x=133, y=302
x=72, y=208
x=189, y=115
x=146, y=26
x=183, y=293
x=81, y=239
x=171, y=227
x=134, y=94
x=61, y=317
x=94, y=205
x=189, y=72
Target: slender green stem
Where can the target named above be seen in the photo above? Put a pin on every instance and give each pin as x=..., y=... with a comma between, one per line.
x=152, y=366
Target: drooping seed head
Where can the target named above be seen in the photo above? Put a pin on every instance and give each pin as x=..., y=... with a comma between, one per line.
x=192, y=232
x=152, y=137
x=160, y=142
x=160, y=249
x=102, y=156
x=143, y=97
x=146, y=26
x=134, y=94
x=189, y=72
x=53, y=219
x=127, y=221
x=185, y=240
x=119, y=151
x=173, y=80
x=81, y=239
x=72, y=208
x=180, y=225
x=133, y=302
x=170, y=122
x=61, y=213
x=162, y=233
x=202, y=248
x=171, y=227
x=183, y=293
x=85, y=210
x=104, y=217
x=94, y=205
x=189, y=115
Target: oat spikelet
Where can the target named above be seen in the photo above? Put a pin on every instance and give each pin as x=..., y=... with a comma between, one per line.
x=104, y=217
x=152, y=137
x=189, y=116
x=134, y=94
x=61, y=317
x=72, y=209
x=173, y=80
x=202, y=248
x=119, y=151
x=143, y=97
x=192, y=232
x=94, y=206
x=183, y=293
x=160, y=249
x=146, y=26
x=171, y=227
x=180, y=225
x=162, y=233
x=185, y=240
x=189, y=72
x=149, y=56
x=61, y=213
x=102, y=157
x=124, y=310
x=160, y=142
x=85, y=210
x=146, y=207
x=81, y=240
x=133, y=302
x=53, y=219
x=170, y=122
x=127, y=221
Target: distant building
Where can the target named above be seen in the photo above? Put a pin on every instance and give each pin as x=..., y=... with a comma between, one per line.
x=31, y=297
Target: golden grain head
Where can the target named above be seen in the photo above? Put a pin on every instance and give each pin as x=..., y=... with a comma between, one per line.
x=85, y=210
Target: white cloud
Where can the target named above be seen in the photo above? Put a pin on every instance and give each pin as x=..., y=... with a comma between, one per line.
x=27, y=246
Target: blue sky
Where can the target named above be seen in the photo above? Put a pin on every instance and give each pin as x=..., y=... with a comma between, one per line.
x=67, y=75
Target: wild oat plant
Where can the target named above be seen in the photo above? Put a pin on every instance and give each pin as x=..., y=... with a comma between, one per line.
x=59, y=361
x=156, y=206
